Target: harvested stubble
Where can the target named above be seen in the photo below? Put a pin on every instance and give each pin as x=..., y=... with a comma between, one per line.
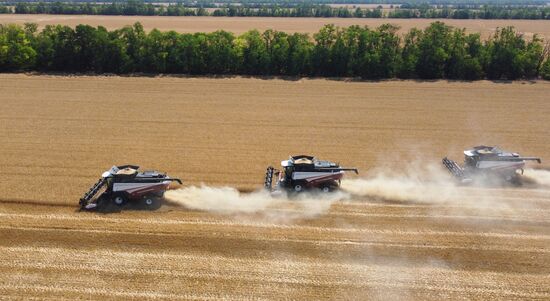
x=59, y=133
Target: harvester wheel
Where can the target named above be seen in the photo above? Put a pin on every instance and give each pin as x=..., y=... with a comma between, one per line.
x=119, y=200
x=326, y=189
x=516, y=181
x=151, y=202
x=298, y=188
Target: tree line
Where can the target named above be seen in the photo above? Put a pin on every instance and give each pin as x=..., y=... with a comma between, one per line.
x=133, y=7
x=128, y=8
x=287, y=3
x=294, y=2
x=474, y=12
x=303, y=10
x=438, y=51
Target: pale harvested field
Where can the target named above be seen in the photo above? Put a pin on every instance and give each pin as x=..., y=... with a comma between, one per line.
x=59, y=133
x=243, y=24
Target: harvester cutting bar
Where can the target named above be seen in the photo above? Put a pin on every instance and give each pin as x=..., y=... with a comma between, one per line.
x=93, y=191
x=454, y=168
x=268, y=183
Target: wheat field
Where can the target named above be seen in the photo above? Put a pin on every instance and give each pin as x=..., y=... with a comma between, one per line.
x=383, y=238
x=240, y=25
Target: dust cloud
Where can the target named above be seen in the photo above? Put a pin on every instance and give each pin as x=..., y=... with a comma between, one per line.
x=228, y=200
x=418, y=184
x=432, y=185
x=540, y=177
x=428, y=184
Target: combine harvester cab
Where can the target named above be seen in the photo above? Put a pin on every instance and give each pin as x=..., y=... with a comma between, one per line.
x=305, y=173
x=489, y=163
x=124, y=184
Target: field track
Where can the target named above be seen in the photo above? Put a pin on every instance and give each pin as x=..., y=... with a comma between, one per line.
x=58, y=133
x=397, y=252
x=239, y=25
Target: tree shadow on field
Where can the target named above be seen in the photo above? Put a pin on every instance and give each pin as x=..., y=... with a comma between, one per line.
x=494, y=81
x=272, y=77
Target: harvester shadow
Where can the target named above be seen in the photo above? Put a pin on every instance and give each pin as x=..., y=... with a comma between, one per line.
x=33, y=202
x=112, y=208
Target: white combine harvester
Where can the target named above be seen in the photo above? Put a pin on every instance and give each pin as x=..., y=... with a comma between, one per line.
x=305, y=173
x=126, y=184
x=489, y=163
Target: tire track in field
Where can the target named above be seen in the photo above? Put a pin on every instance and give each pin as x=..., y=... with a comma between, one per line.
x=24, y=289
x=275, y=271
x=349, y=242
x=250, y=224
x=505, y=214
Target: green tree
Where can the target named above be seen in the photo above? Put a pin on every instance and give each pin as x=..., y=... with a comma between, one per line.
x=465, y=53
x=133, y=37
x=545, y=70
x=509, y=56
x=382, y=56
x=57, y=48
x=433, y=46
x=300, y=49
x=154, y=53
x=220, y=55
x=110, y=52
x=277, y=48
x=254, y=53
x=16, y=51
x=410, y=54
x=322, y=57
x=339, y=56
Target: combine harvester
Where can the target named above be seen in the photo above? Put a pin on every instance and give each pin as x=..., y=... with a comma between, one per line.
x=489, y=163
x=124, y=184
x=305, y=173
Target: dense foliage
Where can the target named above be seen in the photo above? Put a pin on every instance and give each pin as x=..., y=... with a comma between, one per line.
x=213, y=3
x=439, y=51
x=407, y=10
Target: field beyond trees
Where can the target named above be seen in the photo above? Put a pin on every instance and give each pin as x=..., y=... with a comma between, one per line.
x=59, y=133
x=290, y=9
x=239, y=25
